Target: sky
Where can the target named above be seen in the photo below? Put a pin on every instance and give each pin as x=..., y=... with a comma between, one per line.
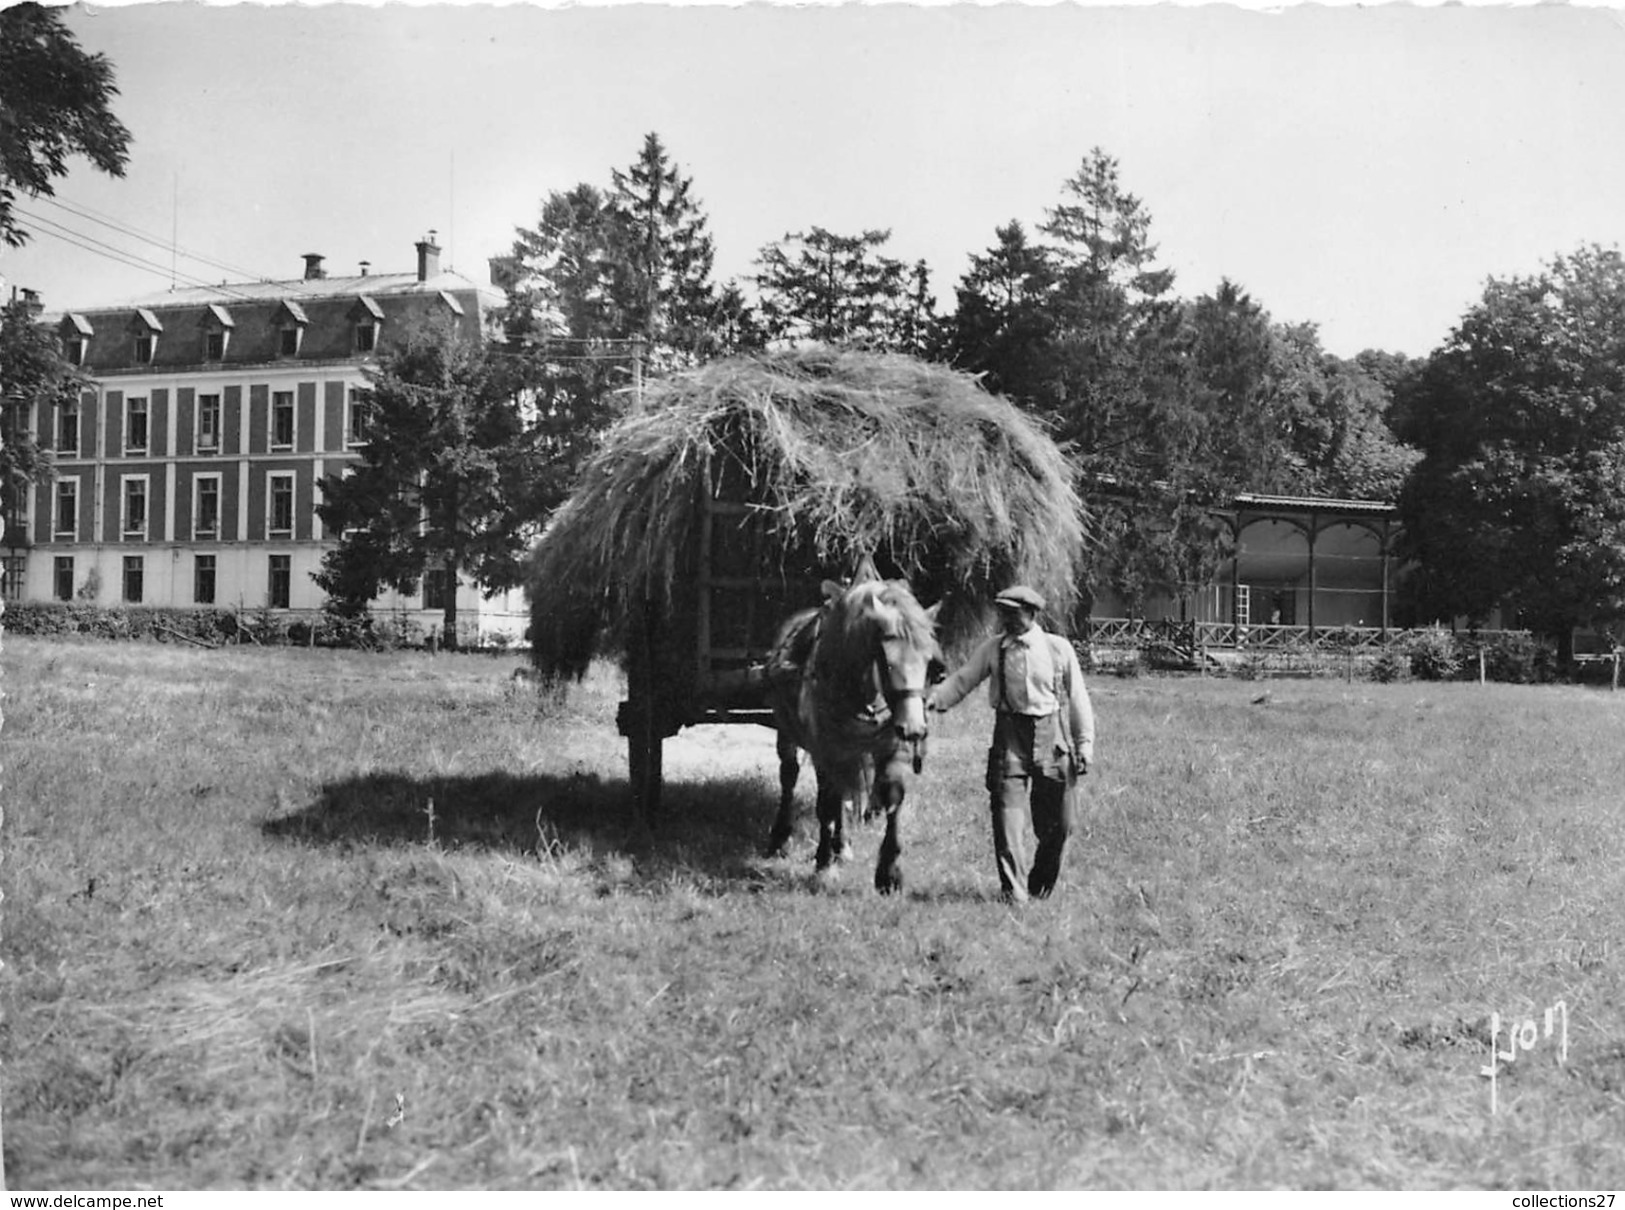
x=1363, y=169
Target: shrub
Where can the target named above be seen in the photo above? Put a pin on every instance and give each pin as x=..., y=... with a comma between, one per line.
x=1520, y=659
x=1390, y=666
x=1434, y=654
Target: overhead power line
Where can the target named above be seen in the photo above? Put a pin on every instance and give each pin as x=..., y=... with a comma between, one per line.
x=96, y=216
x=91, y=244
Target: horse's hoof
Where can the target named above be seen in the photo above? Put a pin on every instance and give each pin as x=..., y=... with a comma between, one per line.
x=778, y=846
x=845, y=853
x=889, y=881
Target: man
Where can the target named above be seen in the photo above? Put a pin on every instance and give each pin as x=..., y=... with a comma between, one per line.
x=1043, y=738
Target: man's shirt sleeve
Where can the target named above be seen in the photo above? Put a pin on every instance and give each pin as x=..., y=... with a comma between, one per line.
x=971, y=674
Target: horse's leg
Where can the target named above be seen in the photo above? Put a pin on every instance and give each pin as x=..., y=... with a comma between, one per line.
x=831, y=805
x=784, y=824
x=891, y=791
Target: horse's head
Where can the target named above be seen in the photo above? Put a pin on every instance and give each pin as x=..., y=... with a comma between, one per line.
x=891, y=643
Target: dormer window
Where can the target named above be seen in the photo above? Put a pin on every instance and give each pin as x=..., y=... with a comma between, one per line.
x=147, y=329
x=367, y=316
x=290, y=328
x=217, y=328
x=76, y=333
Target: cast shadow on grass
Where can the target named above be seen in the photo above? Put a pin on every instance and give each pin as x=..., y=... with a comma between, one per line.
x=713, y=830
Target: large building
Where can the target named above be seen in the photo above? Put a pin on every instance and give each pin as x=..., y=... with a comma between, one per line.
x=188, y=473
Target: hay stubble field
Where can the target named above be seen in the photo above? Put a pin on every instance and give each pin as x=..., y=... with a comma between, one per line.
x=288, y=919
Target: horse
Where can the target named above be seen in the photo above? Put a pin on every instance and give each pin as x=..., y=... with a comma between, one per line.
x=851, y=692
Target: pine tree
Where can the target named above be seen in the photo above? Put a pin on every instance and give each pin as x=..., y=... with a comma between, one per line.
x=832, y=289
x=1002, y=324
x=447, y=478
x=661, y=255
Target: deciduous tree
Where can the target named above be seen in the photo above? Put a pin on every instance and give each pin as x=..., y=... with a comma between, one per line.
x=54, y=105
x=34, y=381
x=1519, y=500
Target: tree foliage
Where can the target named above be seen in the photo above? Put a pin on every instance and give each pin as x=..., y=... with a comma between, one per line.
x=1171, y=407
x=610, y=285
x=823, y=287
x=54, y=101
x=1002, y=324
x=447, y=478
x=1519, y=500
x=35, y=380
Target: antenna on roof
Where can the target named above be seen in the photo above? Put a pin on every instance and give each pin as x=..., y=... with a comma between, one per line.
x=174, y=228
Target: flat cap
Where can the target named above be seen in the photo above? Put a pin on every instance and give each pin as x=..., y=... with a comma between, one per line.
x=1019, y=597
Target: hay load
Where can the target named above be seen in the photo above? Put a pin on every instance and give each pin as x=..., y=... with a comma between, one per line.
x=817, y=457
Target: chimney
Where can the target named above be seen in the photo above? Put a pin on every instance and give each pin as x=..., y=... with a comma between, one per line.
x=31, y=300
x=365, y=265
x=428, y=257
x=504, y=271
x=313, y=266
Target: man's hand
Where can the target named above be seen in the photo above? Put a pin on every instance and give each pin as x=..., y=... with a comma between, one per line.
x=1081, y=760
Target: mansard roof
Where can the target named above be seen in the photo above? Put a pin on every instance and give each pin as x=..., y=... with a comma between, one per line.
x=328, y=309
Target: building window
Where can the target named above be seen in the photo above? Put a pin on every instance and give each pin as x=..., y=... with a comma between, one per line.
x=67, y=508
x=214, y=345
x=436, y=584
x=135, y=506
x=208, y=424
x=145, y=345
x=282, y=420
x=67, y=428
x=288, y=342
x=74, y=351
x=133, y=573
x=203, y=580
x=366, y=337
x=135, y=425
x=360, y=418
x=11, y=583
x=62, y=578
x=281, y=581
x=206, y=507
x=280, y=503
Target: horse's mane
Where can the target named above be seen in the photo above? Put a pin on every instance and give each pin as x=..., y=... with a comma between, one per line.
x=850, y=617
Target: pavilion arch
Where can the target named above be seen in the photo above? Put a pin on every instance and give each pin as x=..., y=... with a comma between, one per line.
x=1312, y=562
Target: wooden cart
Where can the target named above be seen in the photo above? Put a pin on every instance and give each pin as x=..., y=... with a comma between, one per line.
x=701, y=656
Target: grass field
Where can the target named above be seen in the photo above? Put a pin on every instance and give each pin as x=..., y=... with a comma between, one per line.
x=288, y=919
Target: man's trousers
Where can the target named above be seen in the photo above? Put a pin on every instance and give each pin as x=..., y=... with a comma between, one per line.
x=1027, y=768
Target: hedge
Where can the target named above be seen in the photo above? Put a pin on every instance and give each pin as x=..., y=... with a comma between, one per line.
x=217, y=626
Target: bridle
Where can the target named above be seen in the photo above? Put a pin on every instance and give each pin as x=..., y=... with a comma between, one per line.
x=885, y=675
